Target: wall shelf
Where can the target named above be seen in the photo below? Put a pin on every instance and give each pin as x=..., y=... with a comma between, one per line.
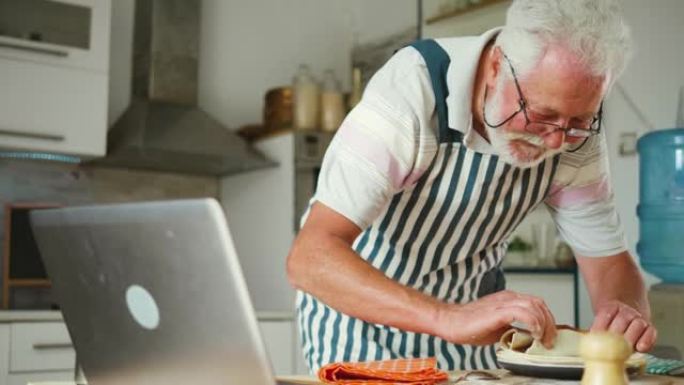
x=456, y=12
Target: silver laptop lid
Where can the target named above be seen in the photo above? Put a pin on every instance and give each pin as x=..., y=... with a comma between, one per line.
x=152, y=293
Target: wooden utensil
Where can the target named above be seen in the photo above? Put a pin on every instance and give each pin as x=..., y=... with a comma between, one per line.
x=604, y=355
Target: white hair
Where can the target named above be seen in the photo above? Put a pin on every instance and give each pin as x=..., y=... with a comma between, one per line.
x=593, y=30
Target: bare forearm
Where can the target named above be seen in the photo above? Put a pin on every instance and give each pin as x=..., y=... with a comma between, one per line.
x=329, y=269
x=620, y=280
x=618, y=295
x=323, y=263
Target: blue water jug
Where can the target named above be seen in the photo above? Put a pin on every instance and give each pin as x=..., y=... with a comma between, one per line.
x=661, y=204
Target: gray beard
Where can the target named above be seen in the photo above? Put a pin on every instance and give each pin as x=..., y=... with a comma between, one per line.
x=501, y=140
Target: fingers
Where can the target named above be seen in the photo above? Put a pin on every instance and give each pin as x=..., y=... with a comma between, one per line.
x=622, y=319
x=605, y=316
x=544, y=327
x=524, y=314
x=635, y=330
x=550, y=331
x=530, y=310
x=647, y=340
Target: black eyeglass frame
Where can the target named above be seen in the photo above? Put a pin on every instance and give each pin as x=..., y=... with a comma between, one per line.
x=522, y=102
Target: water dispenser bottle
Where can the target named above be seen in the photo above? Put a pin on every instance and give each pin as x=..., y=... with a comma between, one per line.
x=661, y=204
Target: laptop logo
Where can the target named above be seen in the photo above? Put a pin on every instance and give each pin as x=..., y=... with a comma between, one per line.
x=142, y=307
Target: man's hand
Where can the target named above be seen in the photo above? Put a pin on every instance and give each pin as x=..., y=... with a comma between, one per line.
x=482, y=322
x=620, y=318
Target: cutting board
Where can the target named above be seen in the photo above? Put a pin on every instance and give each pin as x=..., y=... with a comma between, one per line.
x=509, y=379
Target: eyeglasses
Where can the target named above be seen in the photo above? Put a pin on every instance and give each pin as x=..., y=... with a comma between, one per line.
x=540, y=128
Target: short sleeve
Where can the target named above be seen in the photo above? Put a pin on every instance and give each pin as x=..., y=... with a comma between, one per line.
x=384, y=144
x=581, y=202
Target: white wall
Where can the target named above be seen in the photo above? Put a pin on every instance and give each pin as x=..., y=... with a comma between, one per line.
x=652, y=80
x=472, y=22
x=248, y=47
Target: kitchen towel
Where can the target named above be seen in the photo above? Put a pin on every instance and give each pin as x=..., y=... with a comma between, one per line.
x=411, y=371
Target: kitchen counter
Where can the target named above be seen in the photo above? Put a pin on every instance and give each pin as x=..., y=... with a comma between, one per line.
x=30, y=315
x=275, y=315
x=56, y=315
x=507, y=378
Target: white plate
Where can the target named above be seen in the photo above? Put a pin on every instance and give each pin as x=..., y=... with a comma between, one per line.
x=566, y=368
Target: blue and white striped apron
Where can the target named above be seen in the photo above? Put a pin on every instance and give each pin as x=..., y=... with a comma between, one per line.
x=445, y=236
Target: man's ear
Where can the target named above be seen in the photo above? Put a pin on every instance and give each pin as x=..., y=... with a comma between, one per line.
x=494, y=66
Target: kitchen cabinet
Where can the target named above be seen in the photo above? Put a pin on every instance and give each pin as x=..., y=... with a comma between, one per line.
x=36, y=377
x=557, y=287
x=281, y=344
x=35, y=346
x=35, y=351
x=42, y=350
x=280, y=335
x=667, y=314
x=39, y=36
x=272, y=201
x=63, y=78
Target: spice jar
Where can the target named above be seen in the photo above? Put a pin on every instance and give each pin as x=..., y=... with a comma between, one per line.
x=332, y=103
x=306, y=100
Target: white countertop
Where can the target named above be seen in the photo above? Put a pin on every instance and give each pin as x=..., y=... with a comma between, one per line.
x=30, y=315
x=56, y=315
x=275, y=315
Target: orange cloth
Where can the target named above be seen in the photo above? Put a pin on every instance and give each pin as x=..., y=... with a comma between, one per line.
x=412, y=371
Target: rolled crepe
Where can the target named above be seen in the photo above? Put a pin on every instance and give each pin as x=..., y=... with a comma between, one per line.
x=517, y=345
x=566, y=344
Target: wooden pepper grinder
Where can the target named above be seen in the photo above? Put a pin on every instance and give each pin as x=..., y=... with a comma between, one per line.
x=604, y=355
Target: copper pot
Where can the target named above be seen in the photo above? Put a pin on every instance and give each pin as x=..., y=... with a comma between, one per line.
x=278, y=108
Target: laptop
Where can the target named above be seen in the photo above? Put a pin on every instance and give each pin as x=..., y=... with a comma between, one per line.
x=152, y=293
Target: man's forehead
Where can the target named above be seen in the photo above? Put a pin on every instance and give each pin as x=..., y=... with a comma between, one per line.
x=562, y=63
x=564, y=96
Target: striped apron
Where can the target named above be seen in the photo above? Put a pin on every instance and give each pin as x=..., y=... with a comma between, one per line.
x=445, y=236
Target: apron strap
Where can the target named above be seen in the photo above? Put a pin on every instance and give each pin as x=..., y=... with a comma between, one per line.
x=437, y=61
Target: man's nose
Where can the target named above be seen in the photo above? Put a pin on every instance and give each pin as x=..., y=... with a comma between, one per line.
x=554, y=140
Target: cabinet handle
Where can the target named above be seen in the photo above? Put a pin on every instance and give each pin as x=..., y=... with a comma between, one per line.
x=54, y=345
x=32, y=49
x=33, y=135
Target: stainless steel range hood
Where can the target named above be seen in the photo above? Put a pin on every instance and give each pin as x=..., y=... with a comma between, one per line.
x=163, y=129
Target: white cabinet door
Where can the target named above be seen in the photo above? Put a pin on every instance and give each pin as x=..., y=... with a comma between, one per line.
x=38, y=377
x=41, y=346
x=84, y=44
x=60, y=96
x=52, y=109
x=280, y=344
x=4, y=351
x=557, y=290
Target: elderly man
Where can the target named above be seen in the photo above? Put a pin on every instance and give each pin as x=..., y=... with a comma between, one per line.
x=453, y=143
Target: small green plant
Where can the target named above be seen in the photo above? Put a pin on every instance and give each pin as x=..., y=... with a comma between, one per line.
x=519, y=245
